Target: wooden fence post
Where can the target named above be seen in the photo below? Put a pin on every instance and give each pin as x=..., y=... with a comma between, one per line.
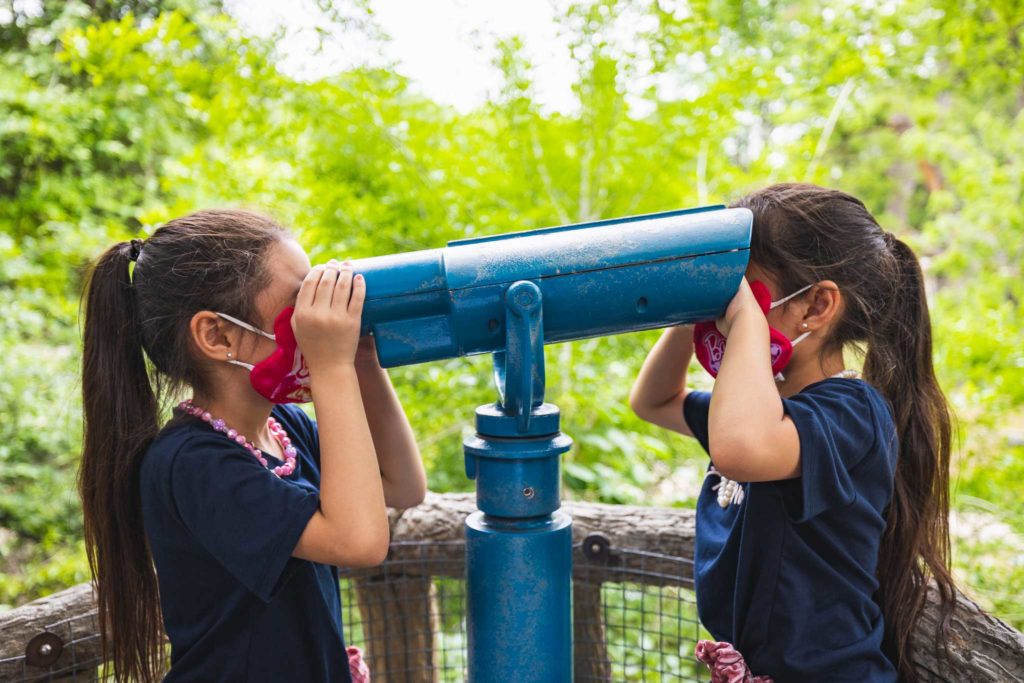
x=590, y=653
x=400, y=617
x=399, y=620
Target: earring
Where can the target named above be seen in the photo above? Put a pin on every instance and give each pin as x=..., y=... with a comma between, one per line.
x=229, y=353
x=804, y=326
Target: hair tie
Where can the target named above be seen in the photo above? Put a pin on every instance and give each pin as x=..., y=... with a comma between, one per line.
x=136, y=250
x=889, y=239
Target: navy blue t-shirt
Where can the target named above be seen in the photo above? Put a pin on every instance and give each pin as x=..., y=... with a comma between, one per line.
x=237, y=606
x=788, y=576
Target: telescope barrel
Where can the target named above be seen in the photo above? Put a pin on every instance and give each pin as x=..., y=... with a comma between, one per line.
x=601, y=278
x=509, y=294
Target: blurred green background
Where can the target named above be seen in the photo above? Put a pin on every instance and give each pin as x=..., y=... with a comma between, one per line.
x=117, y=116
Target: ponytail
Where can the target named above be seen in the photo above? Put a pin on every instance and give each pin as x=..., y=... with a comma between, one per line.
x=805, y=233
x=915, y=548
x=121, y=419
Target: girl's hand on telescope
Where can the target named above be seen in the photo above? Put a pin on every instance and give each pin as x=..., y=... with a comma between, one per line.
x=328, y=311
x=743, y=303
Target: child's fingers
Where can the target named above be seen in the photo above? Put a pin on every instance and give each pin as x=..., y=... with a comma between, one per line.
x=325, y=290
x=343, y=287
x=355, y=305
x=307, y=291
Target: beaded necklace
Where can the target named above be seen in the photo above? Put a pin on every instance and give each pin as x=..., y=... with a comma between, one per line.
x=276, y=430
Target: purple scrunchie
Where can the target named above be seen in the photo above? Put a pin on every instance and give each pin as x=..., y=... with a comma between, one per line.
x=726, y=663
x=357, y=665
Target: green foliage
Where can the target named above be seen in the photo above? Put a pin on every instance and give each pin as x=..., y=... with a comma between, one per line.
x=651, y=631
x=116, y=116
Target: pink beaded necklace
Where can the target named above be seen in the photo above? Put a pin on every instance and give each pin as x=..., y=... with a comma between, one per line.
x=276, y=430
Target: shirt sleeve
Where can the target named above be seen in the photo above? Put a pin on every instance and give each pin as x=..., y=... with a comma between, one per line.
x=695, y=411
x=241, y=513
x=834, y=421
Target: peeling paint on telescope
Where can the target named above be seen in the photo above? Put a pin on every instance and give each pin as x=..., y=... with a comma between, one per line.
x=601, y=278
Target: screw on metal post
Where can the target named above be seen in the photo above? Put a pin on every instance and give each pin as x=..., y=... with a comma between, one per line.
x=44, y=649
x=598, y=550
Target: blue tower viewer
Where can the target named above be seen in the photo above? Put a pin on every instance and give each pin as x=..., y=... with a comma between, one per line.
x=509, y=295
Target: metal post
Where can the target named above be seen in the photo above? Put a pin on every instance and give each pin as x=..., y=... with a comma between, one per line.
x=518, y=545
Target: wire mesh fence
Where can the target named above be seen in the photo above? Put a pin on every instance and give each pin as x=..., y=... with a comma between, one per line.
x=409, y=614
x=67, y=651
x=634, y=619
x=634, y=615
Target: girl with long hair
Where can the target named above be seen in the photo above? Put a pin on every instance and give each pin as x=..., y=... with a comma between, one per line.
x=222, y=529
x=823, y=516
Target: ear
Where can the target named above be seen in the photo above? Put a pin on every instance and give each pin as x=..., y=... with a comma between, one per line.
x=212, y=337
x=824, y=304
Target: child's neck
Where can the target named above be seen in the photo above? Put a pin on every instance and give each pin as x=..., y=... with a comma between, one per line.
x=246, y=414
x=800, y=375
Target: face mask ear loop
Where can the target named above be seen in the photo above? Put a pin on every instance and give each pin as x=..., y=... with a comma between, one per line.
x=784, y=299
x=779, y=377
x=247, y=366
x=800, y=338
x=247, y=326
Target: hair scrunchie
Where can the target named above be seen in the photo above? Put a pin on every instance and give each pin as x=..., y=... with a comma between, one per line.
x=726, y=664
x=136, y=249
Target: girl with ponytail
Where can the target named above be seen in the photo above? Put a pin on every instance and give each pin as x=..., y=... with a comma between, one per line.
x=222, y=530
x=822, y=520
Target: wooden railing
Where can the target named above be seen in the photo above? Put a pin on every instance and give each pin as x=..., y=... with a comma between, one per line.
x=55, y=638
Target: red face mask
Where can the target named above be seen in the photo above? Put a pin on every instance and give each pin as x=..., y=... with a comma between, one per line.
x=709, y=343
x=281, y=377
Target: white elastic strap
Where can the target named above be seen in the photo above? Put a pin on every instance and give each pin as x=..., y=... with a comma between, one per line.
x=247, y=366
x=247, y=326
x=800, y=338
x=787, y=298
x=779, y=377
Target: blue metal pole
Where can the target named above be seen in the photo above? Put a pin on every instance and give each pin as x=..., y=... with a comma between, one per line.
x=518, y=545
x=509, y=295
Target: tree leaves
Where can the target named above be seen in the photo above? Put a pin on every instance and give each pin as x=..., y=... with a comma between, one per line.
x=115, y=117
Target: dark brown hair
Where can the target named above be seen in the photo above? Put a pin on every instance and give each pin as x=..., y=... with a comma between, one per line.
x=805, y=234
x=209, y=260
